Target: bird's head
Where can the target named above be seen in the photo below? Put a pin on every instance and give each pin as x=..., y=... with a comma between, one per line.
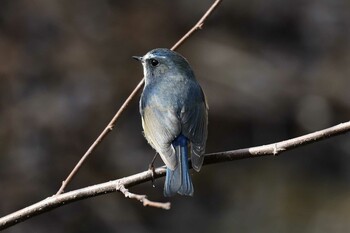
x=161, y=62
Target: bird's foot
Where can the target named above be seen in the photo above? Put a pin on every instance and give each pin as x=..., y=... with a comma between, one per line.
x=152, y=169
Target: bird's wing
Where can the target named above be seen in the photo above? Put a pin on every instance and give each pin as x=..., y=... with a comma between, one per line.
x=195, y=127
x=161, y=127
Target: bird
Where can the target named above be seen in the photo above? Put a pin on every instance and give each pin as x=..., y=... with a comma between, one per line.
x=174, y=114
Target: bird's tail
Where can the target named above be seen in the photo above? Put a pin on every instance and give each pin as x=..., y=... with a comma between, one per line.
x=179, y=179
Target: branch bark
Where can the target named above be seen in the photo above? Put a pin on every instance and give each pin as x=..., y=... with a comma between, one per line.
x=130, y=181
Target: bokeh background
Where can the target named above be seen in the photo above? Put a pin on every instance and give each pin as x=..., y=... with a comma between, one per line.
x=271, y=70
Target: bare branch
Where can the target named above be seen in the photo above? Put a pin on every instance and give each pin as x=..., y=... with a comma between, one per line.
x=199, y=25
x=112, y=123
x=104, y=133
x=127, y=182
x=278, y=147
x=142, y=198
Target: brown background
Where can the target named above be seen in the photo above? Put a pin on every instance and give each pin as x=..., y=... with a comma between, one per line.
x=271, y=70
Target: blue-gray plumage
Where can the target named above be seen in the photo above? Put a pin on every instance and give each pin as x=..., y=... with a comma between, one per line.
x=174, y=116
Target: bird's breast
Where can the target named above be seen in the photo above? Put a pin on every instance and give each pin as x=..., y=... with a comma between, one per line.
x=173, y=93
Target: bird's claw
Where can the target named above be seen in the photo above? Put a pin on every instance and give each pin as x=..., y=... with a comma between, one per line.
x=152, y=169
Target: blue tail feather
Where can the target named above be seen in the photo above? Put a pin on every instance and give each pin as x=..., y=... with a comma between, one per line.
x=179, y=179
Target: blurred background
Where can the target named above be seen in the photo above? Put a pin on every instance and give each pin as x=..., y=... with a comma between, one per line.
x=271, y=70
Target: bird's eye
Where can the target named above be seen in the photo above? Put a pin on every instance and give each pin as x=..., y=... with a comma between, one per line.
x=154, y=62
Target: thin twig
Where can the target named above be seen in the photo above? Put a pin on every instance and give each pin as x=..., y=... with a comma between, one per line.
x=130, y=181
x=199, y=24
x=104, y=133
x=112, y=123
x=142, y=198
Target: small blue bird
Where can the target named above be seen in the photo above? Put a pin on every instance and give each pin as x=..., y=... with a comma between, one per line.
x=174, y=116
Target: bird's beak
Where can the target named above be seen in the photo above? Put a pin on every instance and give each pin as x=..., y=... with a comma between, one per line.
x=137, y=58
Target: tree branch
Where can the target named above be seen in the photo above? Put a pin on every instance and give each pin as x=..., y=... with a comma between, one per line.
x=278, y=147
x=130, y=181
x=142, y=198
x=112, y=123
x=199, y=25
